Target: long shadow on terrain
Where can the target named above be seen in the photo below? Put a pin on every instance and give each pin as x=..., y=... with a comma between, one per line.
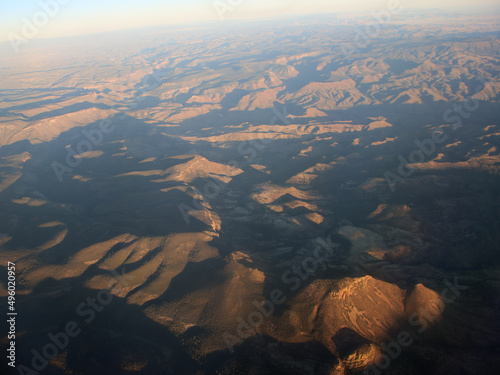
x=113, y=336
x=265, y=355
x=93, y=200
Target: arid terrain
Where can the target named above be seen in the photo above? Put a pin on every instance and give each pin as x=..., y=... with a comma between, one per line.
x=269, y=197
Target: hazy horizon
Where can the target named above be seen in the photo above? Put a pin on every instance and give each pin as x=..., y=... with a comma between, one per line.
x=69, y=18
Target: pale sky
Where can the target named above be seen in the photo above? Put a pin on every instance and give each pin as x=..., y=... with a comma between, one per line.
x=76, y=17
